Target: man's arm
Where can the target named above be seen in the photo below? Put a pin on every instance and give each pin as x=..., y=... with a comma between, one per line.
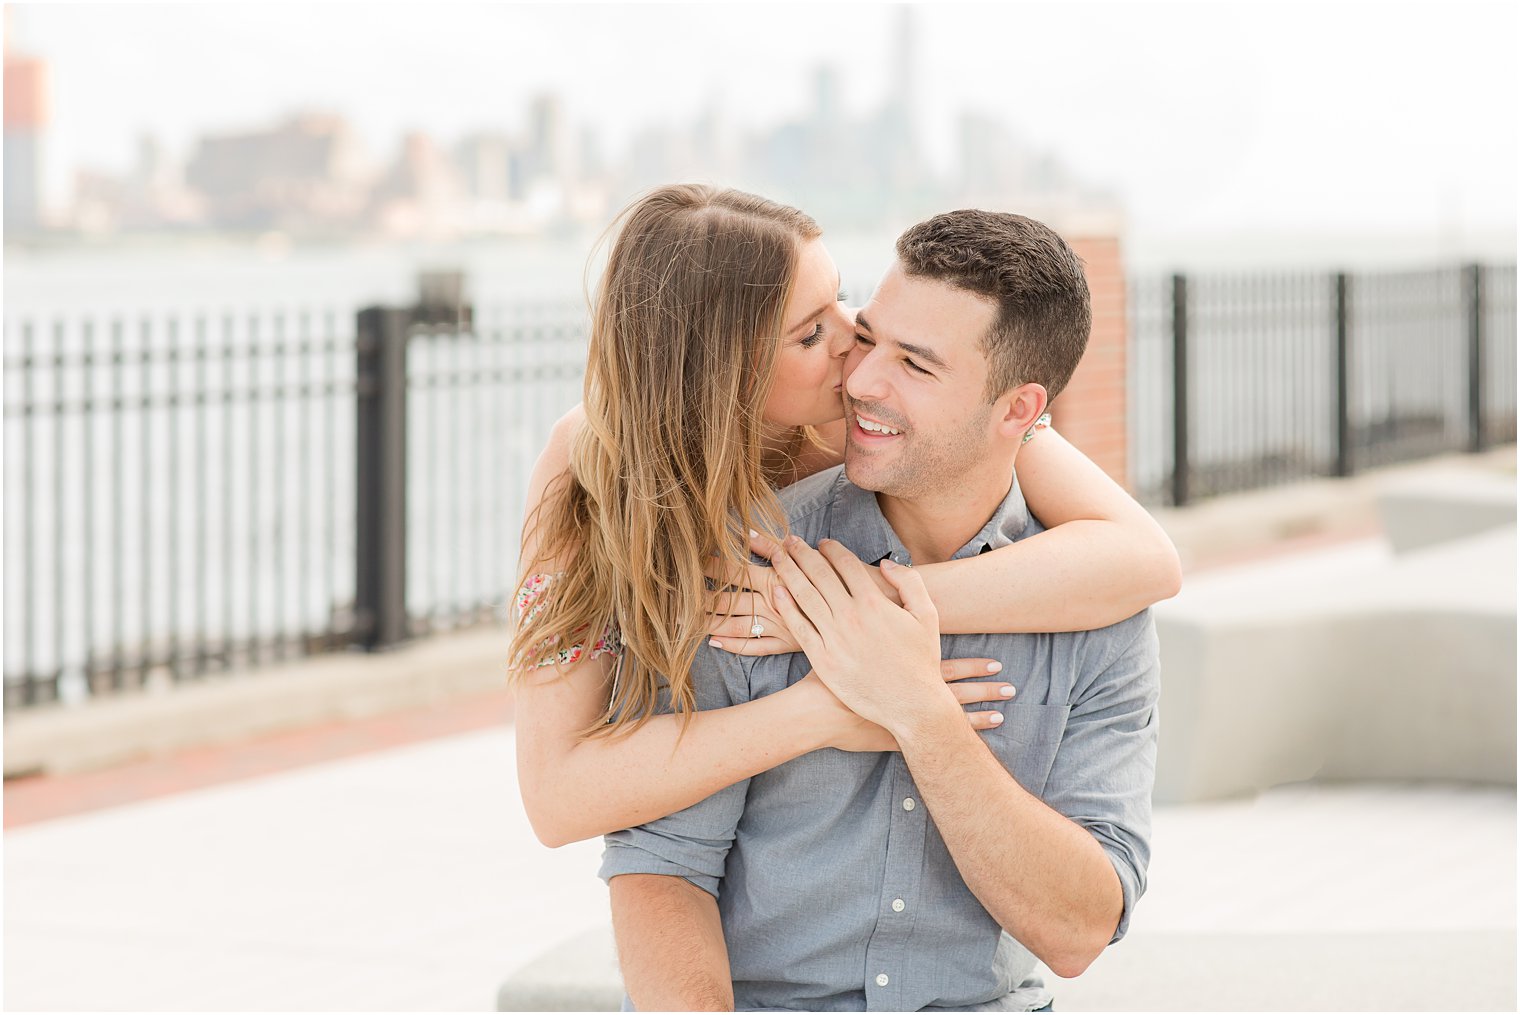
x=1042, y=877
x=670, y=944
x=1059, y=879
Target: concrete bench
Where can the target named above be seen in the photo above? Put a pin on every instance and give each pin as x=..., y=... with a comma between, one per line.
x=1400, y=671
x=1165, y=972
x=580, y=974
x=1429, y=510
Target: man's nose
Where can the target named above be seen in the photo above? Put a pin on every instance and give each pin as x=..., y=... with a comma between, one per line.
x=862, y=377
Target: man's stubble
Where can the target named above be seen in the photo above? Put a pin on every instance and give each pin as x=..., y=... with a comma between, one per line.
x=928, y=464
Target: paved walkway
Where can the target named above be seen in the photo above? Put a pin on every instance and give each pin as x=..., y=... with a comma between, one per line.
x=408, y=879
x=41, y=798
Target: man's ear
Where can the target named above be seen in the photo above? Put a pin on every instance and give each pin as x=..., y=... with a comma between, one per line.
x=1019, y=408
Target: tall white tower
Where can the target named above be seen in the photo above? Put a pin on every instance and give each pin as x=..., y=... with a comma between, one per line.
x=903, y=74
x=26, y=122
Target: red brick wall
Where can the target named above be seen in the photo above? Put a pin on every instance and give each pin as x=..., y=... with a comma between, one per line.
x=1090, y=412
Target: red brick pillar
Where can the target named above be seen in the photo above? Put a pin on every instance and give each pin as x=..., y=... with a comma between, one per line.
x=1091, y=411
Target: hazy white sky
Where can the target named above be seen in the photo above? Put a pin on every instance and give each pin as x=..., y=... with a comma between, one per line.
x=1217, y=116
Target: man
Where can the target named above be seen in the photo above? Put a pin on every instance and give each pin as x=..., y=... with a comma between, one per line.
x=933, y=877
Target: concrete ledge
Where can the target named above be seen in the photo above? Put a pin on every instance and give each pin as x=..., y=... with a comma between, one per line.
x=1404, y=671
x=1225, y=526
x=1440, y=508
x=1467, y=970
x=580, y=974
x=105, y=731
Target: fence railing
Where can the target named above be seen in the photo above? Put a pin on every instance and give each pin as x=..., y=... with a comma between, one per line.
x=192, y=494
x=454, y=417
x=1237, y=382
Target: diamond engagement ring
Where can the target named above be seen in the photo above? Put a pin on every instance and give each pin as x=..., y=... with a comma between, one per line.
x=757, y=629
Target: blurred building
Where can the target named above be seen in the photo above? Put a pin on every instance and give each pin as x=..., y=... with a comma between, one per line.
x=26, y=121
x=897, y=125
x=421, y=193
x=550, y=149
x=490, y=167
x=154, y=194
x=307, y=171
x=992, y=161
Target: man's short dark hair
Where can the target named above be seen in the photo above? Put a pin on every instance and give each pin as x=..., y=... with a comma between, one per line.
x=1036, y=280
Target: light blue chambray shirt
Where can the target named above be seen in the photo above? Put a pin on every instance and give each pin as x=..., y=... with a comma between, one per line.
x=836, y=891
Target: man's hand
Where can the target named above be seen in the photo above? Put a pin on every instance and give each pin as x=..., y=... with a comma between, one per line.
x=882, y=660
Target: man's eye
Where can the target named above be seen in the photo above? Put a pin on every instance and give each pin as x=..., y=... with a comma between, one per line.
x=862, y=339
x=920, y=369
x=815, y=337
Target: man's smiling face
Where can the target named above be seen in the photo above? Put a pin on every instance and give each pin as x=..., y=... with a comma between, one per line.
x=915, y=397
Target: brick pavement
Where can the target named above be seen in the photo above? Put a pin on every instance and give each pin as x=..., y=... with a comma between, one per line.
x=31, y=799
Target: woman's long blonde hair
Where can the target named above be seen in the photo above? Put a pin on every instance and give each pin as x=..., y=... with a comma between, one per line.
x=669, y=468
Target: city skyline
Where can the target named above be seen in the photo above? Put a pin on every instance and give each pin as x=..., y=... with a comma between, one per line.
x=311, y=174
x=1226, y=117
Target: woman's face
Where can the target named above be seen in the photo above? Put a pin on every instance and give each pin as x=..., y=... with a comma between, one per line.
x=816, y=337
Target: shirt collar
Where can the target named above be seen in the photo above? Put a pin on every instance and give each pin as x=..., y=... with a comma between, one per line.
x=858, y=523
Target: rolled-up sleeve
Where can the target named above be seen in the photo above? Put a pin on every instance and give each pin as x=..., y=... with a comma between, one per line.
x=691, y=843
x=1106, y=768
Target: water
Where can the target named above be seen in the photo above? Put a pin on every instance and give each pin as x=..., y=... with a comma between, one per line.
x=217, y=276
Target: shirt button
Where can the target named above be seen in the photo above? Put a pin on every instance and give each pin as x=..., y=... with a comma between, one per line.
x=881, y=980
x=909, y=803
x=898, y=905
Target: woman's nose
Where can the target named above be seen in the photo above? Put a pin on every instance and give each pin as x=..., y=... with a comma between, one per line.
x=844, y=333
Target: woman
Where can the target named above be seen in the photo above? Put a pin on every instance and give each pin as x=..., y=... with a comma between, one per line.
x=713, y=377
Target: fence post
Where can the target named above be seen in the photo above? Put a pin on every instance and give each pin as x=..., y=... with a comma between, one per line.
x=380, y=490
x=1473, y=298
x=1179, y=391
x=1343, y=464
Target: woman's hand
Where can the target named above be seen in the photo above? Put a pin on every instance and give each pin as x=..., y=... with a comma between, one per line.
x=745, y=603
x=736, y=615
x=880, y=659
x=852, y=733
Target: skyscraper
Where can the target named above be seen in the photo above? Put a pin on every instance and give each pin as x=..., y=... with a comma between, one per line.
x=903, y=95
x=26, y=119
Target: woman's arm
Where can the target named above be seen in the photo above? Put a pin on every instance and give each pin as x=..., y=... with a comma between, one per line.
x=1102, y=558
x=574, y=788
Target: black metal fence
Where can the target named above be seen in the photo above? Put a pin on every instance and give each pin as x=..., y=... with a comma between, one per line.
x=451, y=421
x=1243, y=381
x=192, y=494
x=188, y=495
